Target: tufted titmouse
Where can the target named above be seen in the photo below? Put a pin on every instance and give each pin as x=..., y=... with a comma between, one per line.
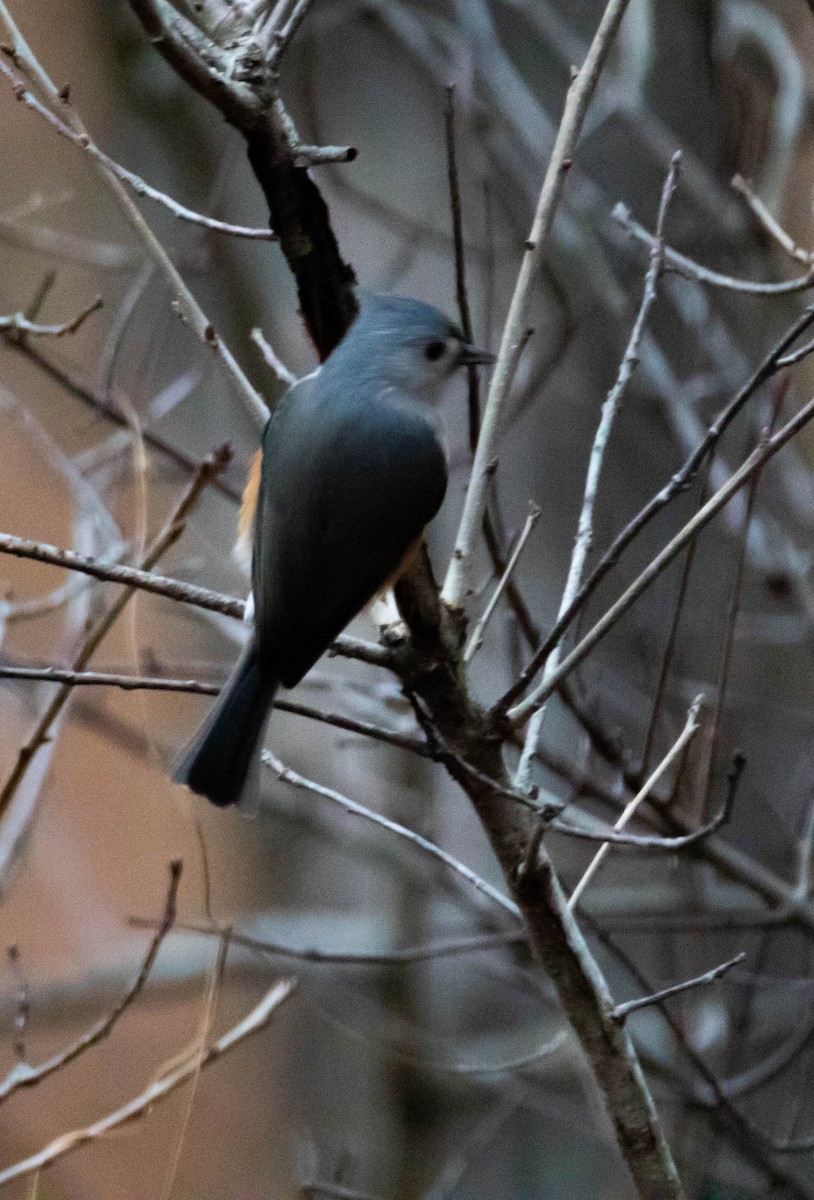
x=352, y=470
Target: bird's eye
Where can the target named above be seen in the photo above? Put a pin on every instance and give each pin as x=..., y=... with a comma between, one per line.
x=434, y=351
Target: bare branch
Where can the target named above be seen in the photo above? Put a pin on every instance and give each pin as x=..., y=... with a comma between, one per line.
x=521, y=712
x=684, y=738
x=623, y=1011
x=140, y=186
x=769, y=367
x=172, y=589
x=100, y=628
x=68, y=378
x=272, y=360
x=242, y=81
x=22, y=1075
x=189, y=309
x=669, y=845
x=20, y=324
x=585, y=525
x=133, y=683
x=771, y=225
x=476, y=641
x=693, y=270
x=197, y=1059
x=409, y=954
x=358, y=810
x=456, y=585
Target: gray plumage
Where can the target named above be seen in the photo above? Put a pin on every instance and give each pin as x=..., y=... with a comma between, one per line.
x=352, y=472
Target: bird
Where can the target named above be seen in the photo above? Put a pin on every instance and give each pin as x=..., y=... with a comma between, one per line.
x=350, y=472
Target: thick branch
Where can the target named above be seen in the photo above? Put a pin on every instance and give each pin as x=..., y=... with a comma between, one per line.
x=246, y=92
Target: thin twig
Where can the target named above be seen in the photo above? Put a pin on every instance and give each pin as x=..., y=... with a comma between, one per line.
x=461, y=294
x=358, y=810
x=140, y=1105
x=456, y=585
x=166, y=538
x=409, y=954
x=187, y=306
x=693, y=270
x=19, y=323
x=672, y=637
x=650, y=842
x=610, y=408
x=676, y=485
x=756, y=461
x=23, y=1075
x=197, y=687
x=476, y=641
x=630, y=808
x=140, y=186
x=66, y=377
x=173, y=589
x=623, y=1011
x=272, y=359
x=770, y=223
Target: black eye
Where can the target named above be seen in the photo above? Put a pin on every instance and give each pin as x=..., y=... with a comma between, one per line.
x=434, y=351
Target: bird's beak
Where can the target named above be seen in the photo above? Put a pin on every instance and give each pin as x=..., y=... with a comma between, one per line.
x=471, y=356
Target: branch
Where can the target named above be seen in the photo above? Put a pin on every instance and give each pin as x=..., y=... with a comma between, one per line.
x=693, y=270
x=243, y=84
x=256, y=1021
x=172, y=530
x=83, y=142
x=409, y=954
x=462, y=296
x=623, y=1011
x=22, y=1075
x=585, y=526
x=667, y=844
x=172, y=589
x=456, y=586
x=134, y=683
x=187, y=306
x=677, y=484
x=358, y=810
x=521, y=712
x=18, y=322
x=770, y=223
x=272, y=360
x=99, y=403
x=683, y=740
x=476, y=641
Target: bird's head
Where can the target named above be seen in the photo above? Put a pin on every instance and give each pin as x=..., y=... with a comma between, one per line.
x=404, y=344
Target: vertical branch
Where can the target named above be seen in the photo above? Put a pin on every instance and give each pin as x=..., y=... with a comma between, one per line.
x=456, y=585
x=473, y=397
x=601, y=439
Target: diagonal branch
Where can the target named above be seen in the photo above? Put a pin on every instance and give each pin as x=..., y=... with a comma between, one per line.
x=188, y=308
x=244, y=86
x=771, y=364
x=199, y=1058
x=754, y=464
x=456, y=585
x=20, y=324
x=22, y=1075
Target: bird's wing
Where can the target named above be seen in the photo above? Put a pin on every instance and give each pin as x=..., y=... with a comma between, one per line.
x=346, y=491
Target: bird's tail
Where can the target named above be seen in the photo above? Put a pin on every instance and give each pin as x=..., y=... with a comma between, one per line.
x=220, y=757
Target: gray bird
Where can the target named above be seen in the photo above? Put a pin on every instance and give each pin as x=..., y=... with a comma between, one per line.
x=352, y=471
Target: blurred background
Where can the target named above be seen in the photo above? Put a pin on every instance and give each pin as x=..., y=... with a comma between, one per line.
x=428, y=1075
